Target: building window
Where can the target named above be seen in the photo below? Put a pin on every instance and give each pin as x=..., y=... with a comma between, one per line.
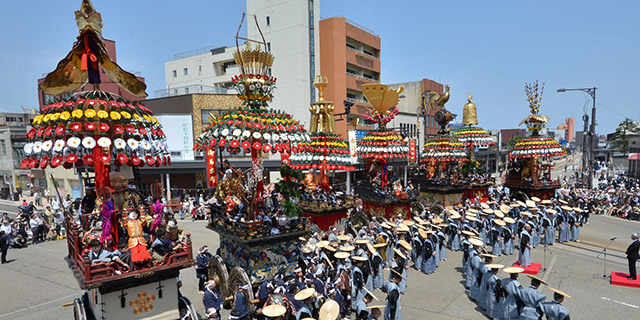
x=175, y=91
x=268, y=46
x=3, y=147
x=14, y=119
x=185, y=71
x=199, y=68
x=186, y=90
x=175, y=73
x=268, y=21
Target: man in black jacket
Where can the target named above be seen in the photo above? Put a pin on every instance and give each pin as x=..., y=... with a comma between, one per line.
x=632, y=255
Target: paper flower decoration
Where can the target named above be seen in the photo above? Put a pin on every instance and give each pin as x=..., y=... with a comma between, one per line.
x=104, y=142
x=88, y=142
x=74, y=142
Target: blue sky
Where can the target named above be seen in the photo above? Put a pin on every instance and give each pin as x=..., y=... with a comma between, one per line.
x=486, y=48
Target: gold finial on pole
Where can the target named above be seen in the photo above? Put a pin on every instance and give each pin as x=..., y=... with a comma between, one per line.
x=469, y=113
x=320, y=82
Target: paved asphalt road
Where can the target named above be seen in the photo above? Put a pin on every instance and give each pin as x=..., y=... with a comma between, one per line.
x=37, y=282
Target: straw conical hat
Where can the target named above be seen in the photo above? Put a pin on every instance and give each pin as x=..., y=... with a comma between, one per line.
x=330, y=310
x=509, y=220
x=504, y=208
x=304, y=294
x=560, y=292
x=535, y=199
x=274, y=311
x=534, y=277
x=437, y=220
x=499, y=222
x=405, y=244
x=513, y=270
x=371, y=293
x=494, y=266
x=348, y=248
x=476, y=242
x=341, y=255
x=399, y=253
x=344, y=237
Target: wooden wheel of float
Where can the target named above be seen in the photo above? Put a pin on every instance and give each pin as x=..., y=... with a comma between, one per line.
x=218, y=273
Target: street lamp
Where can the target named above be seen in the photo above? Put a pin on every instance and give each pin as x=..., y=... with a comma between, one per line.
x=592, y=133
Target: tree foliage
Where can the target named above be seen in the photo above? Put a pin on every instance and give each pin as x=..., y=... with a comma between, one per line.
x=512, y=143
x=625, y=129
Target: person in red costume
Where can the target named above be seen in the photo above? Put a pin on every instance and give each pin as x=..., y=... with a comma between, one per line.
x=137, y=243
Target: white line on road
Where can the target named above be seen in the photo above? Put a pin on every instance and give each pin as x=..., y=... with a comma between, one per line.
x=622, y=303
x=39, y=305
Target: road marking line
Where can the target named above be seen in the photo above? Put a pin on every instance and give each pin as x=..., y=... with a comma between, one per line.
x=622, y=303
x=38, y=305
x=548, y=271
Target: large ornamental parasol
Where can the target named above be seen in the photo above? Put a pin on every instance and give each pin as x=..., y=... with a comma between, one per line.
x=474, y=137
x=382, y=144
x=327, y=149
x=443, y=148
x=254, y=128
x=93, y=129
x=535, y=147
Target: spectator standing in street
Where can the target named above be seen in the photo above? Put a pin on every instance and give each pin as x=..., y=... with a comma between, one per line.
x=8, y=231
x=55, y=204
x=33, y=224
x=38, y=197
x=27, y=209
x=47, y=195
x=4, y=247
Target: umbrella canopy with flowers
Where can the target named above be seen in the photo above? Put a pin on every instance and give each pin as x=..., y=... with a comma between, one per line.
x=69, y=133
x=443, y=148
x=326, y=150
x=474, y=137
x=253, y=128
x=382, y=144
x=534, y=147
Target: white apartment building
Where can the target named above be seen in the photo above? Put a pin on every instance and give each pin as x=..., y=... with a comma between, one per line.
x=204, y=70
x=290, y=29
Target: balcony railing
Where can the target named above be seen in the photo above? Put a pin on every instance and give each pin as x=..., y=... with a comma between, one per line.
x=362, y=52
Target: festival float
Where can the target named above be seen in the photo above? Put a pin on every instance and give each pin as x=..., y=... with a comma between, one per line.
x=328, y=153
x=472, y=138
x=381, y=192
x=531, y=160
x=97, y=132
x=254, y=244
x=440, y=181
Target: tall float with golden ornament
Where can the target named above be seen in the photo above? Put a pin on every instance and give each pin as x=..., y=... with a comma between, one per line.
x=381, y=190
x=325, y=156
x=98, y=132
x=254, y=246
x=532, y=158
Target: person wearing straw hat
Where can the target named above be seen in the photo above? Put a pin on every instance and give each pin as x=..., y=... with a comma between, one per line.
x=563, y=224
x=454, y=232
x=441, y=245
x=335, y=295
x=549, y=229
x=376, y=266
x=362, y=313
x=495, y=295
x=486, y=273
x=474, y=262
x=306, y=296
x=508, y=237
x=417, y=255
x=524, y=256
x=475, y=292
x=429, y=259
x=212, y=300
x=496, y=237
x=531, y=298
x=554, y=310
x=357, y=280
x=511, y=287
x=392, y=306
x=535, y=236
x=576, y=224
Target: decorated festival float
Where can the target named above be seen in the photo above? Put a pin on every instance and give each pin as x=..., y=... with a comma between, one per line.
x=255, y=242
x=472, y=138
x=531, y=161
x=440, y=179
x=327, y=153
x=99, y=132
x=381, y=191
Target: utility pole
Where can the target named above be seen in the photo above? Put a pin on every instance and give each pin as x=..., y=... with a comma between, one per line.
x=592, y=135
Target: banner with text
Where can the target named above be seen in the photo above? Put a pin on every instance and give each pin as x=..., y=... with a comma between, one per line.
x=212, y=170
